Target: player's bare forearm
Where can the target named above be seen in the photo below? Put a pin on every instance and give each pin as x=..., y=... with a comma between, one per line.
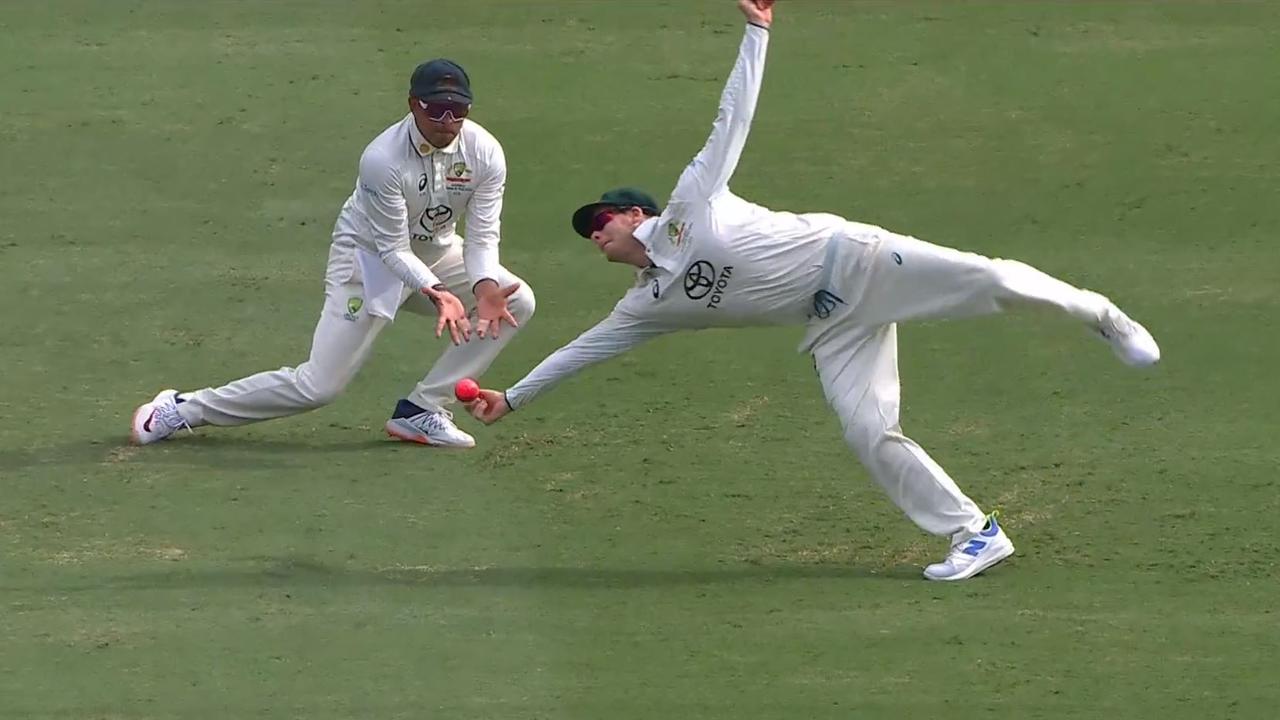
x=758, y=12
x=486, y=287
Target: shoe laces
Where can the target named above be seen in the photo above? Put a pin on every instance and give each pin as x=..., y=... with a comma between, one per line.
x=168, y=414
x=438, y=420
x=1116, y=324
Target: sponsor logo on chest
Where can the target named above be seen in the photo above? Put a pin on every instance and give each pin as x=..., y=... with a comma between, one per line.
x=703, y=281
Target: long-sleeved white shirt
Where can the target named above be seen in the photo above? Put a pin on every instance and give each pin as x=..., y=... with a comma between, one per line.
x=717, y=260
x=410, y=194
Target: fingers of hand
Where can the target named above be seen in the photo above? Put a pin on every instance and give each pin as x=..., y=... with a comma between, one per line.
x=465, y=326
x=510, y=290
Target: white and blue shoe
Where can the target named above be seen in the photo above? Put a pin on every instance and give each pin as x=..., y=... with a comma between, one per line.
x=157, y=420
x=974, y=554
x=426, y=427
x=1131, y=342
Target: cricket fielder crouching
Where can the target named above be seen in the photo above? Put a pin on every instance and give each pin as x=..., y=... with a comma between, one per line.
x=712, y=259
x=395, y=243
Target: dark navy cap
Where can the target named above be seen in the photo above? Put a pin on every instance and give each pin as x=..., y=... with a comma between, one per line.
x=440, y=79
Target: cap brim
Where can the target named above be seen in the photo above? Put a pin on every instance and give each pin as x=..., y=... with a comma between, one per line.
x=584, y=216
x=447, y=96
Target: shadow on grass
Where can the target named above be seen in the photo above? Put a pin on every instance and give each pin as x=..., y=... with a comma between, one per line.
x=298, y=572
x=225, y=451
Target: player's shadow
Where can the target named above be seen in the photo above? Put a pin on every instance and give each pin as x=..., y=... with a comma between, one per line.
x=231, y=443
x=298, y=572
x=220, y=451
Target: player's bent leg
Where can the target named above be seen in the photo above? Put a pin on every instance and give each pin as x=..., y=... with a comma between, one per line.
x=340, y=345
x=859, y=374
x=423, y=417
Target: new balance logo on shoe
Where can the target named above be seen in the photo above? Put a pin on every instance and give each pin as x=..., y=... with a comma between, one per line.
x=974, y=555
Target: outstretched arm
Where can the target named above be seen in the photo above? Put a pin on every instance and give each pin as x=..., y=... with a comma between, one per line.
x=612, y=336
x=713, y=166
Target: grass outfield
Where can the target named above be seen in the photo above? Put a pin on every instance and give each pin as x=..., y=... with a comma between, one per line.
x=679, y=533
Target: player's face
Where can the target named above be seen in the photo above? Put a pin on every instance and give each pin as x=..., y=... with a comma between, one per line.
x=440, y=134
x=439, y=123
x=612, y=230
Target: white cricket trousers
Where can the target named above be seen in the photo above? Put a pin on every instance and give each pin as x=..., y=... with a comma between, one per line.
x=879, y=279
x=343, y=339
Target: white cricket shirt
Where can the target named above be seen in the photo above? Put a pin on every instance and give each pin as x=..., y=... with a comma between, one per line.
x=410, y=196
x=718, y=260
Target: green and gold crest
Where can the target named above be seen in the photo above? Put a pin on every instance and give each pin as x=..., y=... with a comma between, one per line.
x=675, y=233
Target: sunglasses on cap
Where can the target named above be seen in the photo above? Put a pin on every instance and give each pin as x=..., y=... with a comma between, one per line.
x=440, y=110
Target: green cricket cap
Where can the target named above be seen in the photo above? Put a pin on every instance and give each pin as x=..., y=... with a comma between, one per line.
x=624, y=197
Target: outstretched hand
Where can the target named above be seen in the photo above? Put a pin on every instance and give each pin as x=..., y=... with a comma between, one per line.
x=492, y=309
x=452, y=314
x=489, y=407
x=759, y=12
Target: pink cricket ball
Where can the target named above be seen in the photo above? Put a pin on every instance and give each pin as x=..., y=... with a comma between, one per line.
x=466, y=390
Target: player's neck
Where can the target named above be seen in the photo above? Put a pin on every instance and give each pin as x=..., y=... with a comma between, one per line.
x=635, y=254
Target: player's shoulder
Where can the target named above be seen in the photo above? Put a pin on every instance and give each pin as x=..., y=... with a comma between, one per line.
x=479, y=139
x=390, y=145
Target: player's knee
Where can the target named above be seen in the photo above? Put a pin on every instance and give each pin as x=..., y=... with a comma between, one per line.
x=864, y=438
x=866, y=431
x=319, y=392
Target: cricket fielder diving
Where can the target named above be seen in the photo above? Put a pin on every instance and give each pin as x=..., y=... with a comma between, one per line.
x=712, y=259
x=395, y=243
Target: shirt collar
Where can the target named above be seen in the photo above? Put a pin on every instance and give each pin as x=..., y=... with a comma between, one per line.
x=645, y=233
x=425, y=148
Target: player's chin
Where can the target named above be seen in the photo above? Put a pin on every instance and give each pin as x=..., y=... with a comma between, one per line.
x=608, y=248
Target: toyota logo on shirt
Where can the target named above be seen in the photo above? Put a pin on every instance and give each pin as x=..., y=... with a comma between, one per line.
x=702, y=279
x=437, y=216
x=699, y=279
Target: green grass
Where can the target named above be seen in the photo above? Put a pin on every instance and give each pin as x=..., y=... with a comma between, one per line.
x=679, y=533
